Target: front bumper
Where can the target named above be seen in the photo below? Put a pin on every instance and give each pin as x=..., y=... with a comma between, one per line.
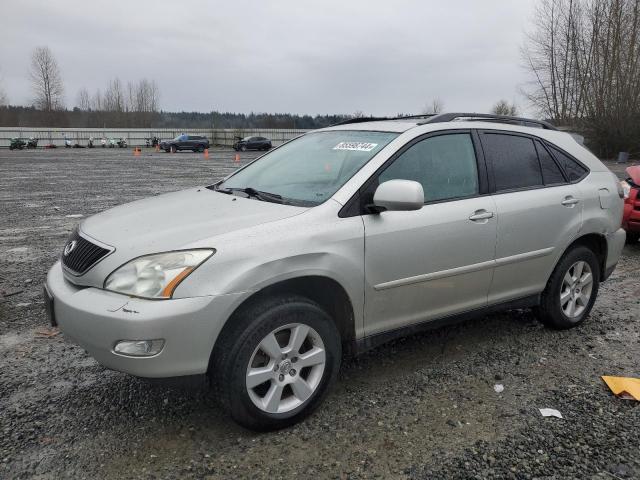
x=97, y=319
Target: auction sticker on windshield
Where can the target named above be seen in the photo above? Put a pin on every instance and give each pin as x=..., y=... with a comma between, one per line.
x=356, y=146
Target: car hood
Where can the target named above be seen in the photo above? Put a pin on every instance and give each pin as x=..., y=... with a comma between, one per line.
x=175, y=220
x=634, y=174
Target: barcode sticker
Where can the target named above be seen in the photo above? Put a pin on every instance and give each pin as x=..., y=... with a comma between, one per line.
x=356, y=146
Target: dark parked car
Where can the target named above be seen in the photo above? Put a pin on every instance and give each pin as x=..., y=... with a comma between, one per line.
x=252, y=143
x=17, y=144
x=195, y=143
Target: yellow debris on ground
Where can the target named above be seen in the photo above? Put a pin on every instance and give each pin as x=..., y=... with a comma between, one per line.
x=624, y=387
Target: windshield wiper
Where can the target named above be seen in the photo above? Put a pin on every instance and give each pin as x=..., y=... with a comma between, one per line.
x=252, y=192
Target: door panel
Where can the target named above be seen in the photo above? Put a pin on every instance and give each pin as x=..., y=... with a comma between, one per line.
x=534, y=229
x=539, y=213
x=429, y=263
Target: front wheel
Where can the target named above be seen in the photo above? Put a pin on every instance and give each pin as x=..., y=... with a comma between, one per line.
x=571, y=291
x=243, y=148
x=276, y=362
x=173, y=149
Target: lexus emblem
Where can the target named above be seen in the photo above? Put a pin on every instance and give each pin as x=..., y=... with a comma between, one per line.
x=69, y=247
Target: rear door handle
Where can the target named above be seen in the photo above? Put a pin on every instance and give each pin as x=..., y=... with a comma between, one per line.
x=480, y=215
x=569, y=201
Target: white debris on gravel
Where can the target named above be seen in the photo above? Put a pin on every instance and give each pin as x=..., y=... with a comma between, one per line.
x=550, y=412
x=499, y=388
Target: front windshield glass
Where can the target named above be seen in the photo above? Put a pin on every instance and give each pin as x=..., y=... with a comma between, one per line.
x=310, y=169
x=246, y=139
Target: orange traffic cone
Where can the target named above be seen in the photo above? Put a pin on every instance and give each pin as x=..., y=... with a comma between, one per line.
x=206, y=153
x=157, y=147
x=136, y=152
x=237, y=158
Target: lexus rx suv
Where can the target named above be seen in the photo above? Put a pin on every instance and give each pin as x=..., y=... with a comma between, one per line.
x=333, y=243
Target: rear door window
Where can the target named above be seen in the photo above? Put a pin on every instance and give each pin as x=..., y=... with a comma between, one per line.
x=514, y=161
x=551, y=173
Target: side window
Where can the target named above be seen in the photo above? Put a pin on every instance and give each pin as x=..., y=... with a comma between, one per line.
x=445, y=166
x=514, y=160
x=551, y=173
x=573, y=169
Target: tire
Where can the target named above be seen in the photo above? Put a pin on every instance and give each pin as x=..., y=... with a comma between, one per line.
x=564, y=290
x=173, y=149
x=239, y=347
x=201, y=148
x=632, y=238
x=243, y=148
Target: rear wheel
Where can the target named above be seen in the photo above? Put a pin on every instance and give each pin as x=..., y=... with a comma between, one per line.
x=571, y=290
x=275, y=364
x=201, y=148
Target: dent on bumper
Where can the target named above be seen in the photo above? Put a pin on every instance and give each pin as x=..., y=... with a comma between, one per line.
x=96, y=320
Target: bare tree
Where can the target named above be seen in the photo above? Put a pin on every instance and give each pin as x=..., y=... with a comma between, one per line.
x=46, y=81
x=584, y=60
x=4, y=100
x=83, y=102
x=114, y=98
x=96, y=101
x=434, y=106
x=503, y=107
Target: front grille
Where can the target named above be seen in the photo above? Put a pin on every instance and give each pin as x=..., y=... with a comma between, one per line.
x=83, y=255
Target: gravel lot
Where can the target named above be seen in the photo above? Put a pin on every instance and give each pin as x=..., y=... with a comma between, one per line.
x=424, y=407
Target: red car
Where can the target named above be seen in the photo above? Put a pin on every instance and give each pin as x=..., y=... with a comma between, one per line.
x=631, y=216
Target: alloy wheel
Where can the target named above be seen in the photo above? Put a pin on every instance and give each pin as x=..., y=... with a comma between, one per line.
x=576, y=289
x=286, y=368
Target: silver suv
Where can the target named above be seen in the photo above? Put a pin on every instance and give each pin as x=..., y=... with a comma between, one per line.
x=333, y=243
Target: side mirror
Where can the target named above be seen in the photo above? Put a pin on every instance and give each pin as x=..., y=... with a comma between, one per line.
x=399, y=195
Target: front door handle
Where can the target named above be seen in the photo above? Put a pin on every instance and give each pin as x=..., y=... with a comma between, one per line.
x=569, y=201
x=480, y=216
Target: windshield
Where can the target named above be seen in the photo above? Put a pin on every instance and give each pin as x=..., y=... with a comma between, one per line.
x=246, y=139
x=310, y=169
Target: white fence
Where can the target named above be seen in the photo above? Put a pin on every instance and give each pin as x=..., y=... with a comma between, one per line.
x=138, y=136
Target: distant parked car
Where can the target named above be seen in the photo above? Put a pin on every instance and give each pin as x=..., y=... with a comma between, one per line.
x=17, y=144
x=195, y=143
x=252, y=143
x=631, y=216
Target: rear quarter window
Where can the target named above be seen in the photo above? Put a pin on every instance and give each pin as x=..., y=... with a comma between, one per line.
x=574, y=170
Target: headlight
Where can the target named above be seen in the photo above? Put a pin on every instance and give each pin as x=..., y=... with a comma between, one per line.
x=624, y=189
x=156, y=276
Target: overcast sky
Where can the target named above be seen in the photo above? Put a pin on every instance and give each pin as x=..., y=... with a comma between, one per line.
x=342, y=56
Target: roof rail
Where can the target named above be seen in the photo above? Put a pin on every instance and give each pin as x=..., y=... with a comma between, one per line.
x=382, y=119
x=360, y=120
x=488, y=117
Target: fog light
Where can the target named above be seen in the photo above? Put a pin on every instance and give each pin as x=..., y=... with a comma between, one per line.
x=139, y=348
